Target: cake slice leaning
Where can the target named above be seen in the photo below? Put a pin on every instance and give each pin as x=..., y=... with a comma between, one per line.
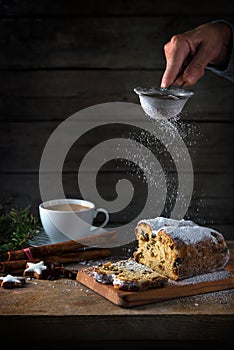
x=128, y=275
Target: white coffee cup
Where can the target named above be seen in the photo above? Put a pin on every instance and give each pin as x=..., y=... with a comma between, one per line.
x=66, y=219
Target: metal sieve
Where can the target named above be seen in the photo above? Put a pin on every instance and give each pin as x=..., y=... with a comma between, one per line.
x=162, y=103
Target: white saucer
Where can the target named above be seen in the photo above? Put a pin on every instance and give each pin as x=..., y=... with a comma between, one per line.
x=41, y=238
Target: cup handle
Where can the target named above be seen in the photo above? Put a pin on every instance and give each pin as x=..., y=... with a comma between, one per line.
x=101, y=210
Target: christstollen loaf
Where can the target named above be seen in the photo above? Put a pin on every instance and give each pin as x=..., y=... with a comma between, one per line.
x=179, y=249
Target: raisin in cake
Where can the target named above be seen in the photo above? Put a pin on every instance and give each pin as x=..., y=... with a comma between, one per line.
x=128, y=275
x=179, y=249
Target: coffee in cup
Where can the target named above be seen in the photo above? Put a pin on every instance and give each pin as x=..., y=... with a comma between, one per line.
x=69, y=219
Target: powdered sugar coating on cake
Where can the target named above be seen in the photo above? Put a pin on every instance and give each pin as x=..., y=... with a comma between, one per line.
x=180, y=248
x=192, y=234
x=160, y=222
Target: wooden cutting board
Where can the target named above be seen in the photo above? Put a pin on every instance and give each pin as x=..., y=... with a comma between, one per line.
x=201, y=284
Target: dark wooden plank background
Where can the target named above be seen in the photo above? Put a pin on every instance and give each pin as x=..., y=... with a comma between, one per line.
x=58, y=57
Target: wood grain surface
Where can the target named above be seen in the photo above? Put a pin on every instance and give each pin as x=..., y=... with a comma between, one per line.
x=168, y=291
x=66, y=311
x=57, y=60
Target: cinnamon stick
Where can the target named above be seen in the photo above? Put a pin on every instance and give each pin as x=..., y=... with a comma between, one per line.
x=40, y=251
x=12, y=266
x=79, y=256
x=103, y=240
x=76, y=256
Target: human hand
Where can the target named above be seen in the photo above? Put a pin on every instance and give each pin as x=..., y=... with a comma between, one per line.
x=188, y=54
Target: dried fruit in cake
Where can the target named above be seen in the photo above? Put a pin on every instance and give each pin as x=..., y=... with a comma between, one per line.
x=179, y=249
x=128, y=275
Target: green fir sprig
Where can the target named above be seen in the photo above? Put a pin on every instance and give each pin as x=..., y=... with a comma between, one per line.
x=17, y=227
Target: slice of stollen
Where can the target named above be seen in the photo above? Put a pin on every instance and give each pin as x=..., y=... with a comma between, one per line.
x=129, y=275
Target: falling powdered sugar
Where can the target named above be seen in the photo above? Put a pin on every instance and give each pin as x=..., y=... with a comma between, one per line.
x=170, y=144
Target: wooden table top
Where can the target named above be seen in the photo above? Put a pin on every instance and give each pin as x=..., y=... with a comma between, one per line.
x=65, y=309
